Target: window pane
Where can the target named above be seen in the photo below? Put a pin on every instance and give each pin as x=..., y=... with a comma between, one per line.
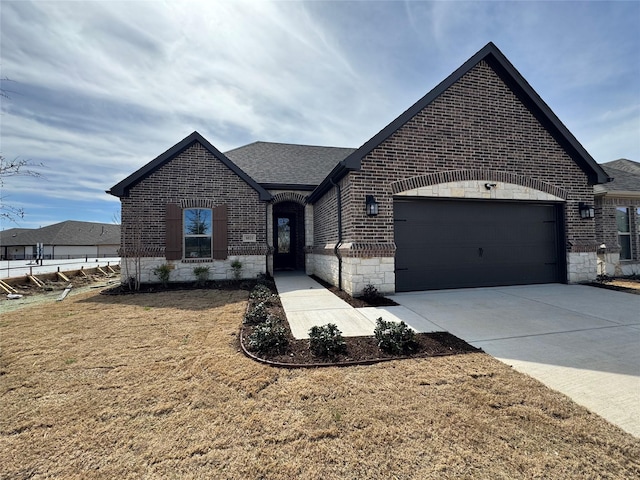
x=284, y=235
x=622, y=219
x=197, y=221
x=625, y=247
x=197, y=247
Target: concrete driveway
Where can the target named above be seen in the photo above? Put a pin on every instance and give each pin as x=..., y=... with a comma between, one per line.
x=582, y=341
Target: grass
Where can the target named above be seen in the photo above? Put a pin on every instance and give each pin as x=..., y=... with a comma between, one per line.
x=153, y=386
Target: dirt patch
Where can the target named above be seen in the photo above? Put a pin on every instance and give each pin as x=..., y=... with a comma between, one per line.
x=33, y=295
x=154, y=386
x=629, y=285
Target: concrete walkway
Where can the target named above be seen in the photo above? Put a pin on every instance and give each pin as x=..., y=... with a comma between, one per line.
x=307, y=303
x=582, y=341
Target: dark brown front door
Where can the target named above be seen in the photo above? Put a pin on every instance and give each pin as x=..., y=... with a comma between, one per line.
x=284, y=231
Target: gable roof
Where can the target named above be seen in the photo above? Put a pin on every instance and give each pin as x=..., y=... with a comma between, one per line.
x=70, y=232
x=624, y=165
x=281, y=165
x=121, y=189
x=512, y=78
x=625, y=178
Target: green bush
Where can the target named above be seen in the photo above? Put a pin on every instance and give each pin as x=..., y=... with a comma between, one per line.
x=236, y=265
x=256, y=314
x=163, y=272
x=370, y=293
x=268, y=337
x=326, y=341
x=395, y=338
x=262, y=293
x=202, y=275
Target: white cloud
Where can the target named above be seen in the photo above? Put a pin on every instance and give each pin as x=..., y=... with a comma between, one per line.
x=104, y=87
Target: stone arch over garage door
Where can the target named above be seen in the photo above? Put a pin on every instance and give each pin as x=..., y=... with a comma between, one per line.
x=482, y=184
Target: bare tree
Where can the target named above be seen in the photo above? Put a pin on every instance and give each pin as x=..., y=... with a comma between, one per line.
x=14, y=168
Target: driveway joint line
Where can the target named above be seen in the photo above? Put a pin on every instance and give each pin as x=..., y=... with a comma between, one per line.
x=566, y=309
x=550, y=333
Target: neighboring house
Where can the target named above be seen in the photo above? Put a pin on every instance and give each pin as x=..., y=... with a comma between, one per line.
x=618, y=219
x=69, y=239
x=476, y=184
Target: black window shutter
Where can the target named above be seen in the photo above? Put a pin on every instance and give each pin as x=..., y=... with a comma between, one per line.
x=173, y=239
x=220, y=218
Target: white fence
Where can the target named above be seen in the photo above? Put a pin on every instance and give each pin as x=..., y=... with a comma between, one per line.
x=20, y=268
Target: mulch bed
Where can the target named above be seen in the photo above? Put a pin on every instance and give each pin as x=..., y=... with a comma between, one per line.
x=356, y=302
x=359, y=350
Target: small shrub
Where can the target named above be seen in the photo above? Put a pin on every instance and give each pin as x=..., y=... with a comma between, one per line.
x=262, y=293
x=163, y=272
x=236, y=265
x=370, y=293
x=202, y=275
x=394, y=337
x=326, y=341
x=256, y=314
x=268, y=337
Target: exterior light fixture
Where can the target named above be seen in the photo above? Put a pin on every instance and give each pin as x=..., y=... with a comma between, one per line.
x=586, y=210
x=371, y=206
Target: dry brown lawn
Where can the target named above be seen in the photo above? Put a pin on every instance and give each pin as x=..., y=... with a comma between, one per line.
x=153, y=386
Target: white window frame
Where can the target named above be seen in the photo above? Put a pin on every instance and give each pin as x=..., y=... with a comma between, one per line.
x=627, y=211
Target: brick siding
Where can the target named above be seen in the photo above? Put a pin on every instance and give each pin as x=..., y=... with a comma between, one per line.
x=194, y=178
x=478, y=124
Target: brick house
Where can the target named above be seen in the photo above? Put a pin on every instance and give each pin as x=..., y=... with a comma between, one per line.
x=617, y=214
x=477, y=184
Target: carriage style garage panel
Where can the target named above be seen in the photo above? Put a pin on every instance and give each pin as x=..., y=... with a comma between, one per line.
x=460, y=243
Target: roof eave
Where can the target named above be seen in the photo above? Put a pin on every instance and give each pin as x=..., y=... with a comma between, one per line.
x=347, y=165
x=121, y=188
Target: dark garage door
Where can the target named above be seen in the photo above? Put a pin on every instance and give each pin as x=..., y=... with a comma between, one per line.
x=458, y=244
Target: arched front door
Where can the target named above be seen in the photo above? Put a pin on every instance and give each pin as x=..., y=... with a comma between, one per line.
x=288, y=236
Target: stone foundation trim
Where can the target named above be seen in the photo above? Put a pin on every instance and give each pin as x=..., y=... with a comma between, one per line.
x=252, y=266
x=357, y=273
x=482, y=176
x=582, y=267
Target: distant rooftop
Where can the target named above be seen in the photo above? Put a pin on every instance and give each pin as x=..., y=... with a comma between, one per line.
x=625, y=174
x=70, y=232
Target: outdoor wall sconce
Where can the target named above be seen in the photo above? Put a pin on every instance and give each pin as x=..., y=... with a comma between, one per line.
x=489, y=186
x=586, y=210
x=371, y=206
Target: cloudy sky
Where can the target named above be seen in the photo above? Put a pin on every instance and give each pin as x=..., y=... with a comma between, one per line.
x=97, y=89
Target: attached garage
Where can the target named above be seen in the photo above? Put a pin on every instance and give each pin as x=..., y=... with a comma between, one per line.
x=474, y=243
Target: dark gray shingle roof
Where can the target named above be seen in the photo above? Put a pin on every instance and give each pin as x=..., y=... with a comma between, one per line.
x=286, y=164
x=70, y=232
x=623, y=164
x=623, y=180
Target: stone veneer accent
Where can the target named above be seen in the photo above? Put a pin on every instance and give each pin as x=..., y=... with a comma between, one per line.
x=252, y=266
x=581, y=266
x=476, y=189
